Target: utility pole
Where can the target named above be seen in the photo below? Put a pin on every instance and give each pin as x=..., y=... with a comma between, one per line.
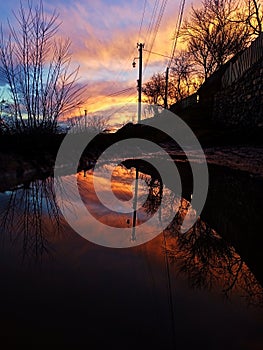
x=85, y=116
x=140, y=47
x=166, y=88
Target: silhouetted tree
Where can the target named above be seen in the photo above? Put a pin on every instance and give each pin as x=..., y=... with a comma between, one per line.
x=95, y=123
x=215, y=32
x=154, y=92
x=255, y=15
x=37, y=68
x=184, y=77
x=154, y=89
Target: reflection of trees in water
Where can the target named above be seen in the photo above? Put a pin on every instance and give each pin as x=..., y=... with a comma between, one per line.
x=30, y=215
x=158, y=194
x=155, y=194
x=209, y=261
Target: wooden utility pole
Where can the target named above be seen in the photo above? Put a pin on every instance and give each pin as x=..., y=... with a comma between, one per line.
x=85, y=116
x=166, y=88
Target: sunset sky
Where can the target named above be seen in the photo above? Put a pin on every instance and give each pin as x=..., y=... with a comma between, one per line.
x=104, y=37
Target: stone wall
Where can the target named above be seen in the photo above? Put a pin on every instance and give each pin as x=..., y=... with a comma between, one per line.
x=241, y=103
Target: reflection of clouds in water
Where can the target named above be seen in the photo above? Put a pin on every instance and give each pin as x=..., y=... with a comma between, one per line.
x=150, y=194
x=116, y=194
x=113, y=217
x=101, y=199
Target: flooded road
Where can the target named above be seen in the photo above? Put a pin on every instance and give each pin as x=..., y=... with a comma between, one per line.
x=198, y=289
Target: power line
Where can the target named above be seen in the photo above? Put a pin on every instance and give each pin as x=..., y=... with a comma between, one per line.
x=151, y=23
x=124, y=106
x=156, y=28
x=156, y=53
x=177, y=30
x=142, y=19
x=116, y=93
x=123, y=72
x=169, y=288
x=120, y=92
x=151, y=33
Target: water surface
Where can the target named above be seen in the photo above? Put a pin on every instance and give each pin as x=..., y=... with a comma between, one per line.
x=177, y=291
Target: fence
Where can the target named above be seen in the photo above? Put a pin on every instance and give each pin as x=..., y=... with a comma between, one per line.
x=188, y=101
x=250, y=56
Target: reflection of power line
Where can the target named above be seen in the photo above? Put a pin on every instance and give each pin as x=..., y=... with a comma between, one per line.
x=169, y=287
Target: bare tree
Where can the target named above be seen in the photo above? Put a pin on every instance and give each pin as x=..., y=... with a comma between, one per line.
x=154, y=89
x=215, y=32
x=96, y=123
x=184, y=80
x=37, y=68
x=154, y=92
x=184, y=77
x=255, y=15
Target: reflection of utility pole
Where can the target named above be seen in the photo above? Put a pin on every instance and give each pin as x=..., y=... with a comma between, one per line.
x=134, y=219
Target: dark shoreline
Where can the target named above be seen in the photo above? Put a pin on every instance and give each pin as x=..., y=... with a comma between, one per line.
x=25, y=157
